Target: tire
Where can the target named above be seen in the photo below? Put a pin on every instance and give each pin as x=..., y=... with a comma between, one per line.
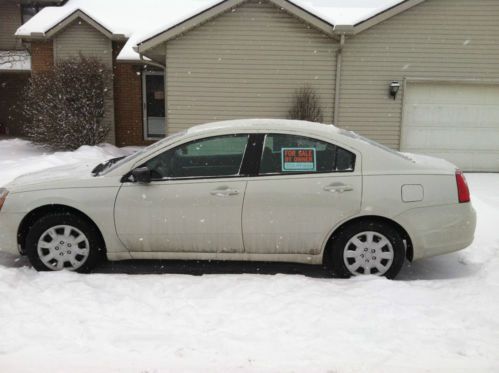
x=64, y=238
x=366, y=248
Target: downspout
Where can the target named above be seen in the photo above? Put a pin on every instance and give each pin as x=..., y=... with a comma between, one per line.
x=339, y=63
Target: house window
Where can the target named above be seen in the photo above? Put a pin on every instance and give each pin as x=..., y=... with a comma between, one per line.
x=30, y=8
x=153, y=94
x=28, y=11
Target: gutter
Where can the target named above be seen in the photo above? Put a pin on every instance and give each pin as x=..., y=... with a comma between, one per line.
x=150, y=62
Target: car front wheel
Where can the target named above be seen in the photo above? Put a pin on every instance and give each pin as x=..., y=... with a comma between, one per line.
x=367, y=248
x=63, y=241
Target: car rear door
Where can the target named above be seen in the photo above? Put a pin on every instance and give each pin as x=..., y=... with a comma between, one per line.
x=193, y=203
x=304, y=188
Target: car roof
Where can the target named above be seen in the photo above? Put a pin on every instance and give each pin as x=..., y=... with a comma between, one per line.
x=268, y=125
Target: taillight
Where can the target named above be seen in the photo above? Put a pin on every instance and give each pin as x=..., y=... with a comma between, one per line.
x=463, y=191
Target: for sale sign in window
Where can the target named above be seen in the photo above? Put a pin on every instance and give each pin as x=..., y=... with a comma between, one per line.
x=299, y=160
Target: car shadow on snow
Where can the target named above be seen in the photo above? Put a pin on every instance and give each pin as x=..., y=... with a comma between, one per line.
x=439, y=268
x=200, y=268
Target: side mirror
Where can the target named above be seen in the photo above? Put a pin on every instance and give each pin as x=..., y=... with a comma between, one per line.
x=141, y=175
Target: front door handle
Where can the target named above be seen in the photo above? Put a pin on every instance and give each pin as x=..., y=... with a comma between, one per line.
x=338, y=188
x=224, y=192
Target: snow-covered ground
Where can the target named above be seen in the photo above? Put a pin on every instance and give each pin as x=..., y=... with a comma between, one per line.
x=441, y=315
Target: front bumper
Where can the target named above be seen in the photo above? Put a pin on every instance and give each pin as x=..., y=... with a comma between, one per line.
x=9, y=225
x=440, y=229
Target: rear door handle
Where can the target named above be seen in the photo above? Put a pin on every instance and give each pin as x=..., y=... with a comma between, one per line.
x=224, y=191
x=338, y=188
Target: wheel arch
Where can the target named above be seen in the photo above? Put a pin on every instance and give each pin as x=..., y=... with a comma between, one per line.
x=41, y=211
x=401, y=230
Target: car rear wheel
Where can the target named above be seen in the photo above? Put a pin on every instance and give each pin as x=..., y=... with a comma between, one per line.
x=367, y=248
x=63, y=241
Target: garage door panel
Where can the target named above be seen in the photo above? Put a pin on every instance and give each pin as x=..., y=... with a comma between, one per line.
x=454, y=94
x=457, y=122
x=430, y=138
x=473, y=116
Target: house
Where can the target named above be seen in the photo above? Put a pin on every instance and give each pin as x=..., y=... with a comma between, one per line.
x=15, y=64
x=416, y=75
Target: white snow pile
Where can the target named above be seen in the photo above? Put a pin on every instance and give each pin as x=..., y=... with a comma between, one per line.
x=18, y=157
x=139, y=20
x=441, y=315
x=15, y=61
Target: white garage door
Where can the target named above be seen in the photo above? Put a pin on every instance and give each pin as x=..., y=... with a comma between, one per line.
x=457, y=122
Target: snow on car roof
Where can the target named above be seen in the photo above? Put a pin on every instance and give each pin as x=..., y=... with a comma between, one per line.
x=138, y=20
x=264, y=124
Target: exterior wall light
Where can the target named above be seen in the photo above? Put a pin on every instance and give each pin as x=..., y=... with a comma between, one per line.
x=394, y=89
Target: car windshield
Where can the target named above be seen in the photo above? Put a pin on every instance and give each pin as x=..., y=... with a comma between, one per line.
x=106, y=169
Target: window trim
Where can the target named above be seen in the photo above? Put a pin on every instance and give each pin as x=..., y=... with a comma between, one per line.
x=281, y=173
x=253, y=156
x=145, y=123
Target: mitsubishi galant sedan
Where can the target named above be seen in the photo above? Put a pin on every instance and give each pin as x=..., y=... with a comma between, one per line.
x=249, y=190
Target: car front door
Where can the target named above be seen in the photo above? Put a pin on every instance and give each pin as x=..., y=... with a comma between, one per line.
x=304, y=188
x=193, y=203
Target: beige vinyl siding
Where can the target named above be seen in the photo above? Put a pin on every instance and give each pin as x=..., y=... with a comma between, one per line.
x=80, y=38
x=10, y=21
x=246, y=63
x=438, y=39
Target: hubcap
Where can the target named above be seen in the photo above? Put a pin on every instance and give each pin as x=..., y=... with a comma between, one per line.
x=63, y=247
x=368, y=253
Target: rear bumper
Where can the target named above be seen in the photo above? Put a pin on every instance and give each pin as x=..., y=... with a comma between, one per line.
x=9, y=224
x=439, y=230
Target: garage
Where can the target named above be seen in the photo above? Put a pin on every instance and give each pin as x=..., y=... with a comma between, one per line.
x=455, y=121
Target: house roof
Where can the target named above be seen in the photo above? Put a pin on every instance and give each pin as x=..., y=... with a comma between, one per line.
x=140, y=20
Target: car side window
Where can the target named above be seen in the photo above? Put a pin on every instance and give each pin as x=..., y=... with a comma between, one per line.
x=287, y=154
x=211, y=157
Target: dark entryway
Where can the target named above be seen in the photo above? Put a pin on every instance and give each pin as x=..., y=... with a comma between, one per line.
x=11, y=90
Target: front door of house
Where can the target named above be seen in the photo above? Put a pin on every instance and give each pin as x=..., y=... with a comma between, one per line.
x=154, y=105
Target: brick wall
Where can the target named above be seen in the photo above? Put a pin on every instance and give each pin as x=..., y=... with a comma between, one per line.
x=127, y=102
x=42, y=56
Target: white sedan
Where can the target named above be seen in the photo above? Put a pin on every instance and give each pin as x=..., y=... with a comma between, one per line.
x=259, y=190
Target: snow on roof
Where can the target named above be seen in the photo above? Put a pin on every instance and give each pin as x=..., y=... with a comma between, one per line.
x=138, y=20
x=15, y=61
x=345, y=12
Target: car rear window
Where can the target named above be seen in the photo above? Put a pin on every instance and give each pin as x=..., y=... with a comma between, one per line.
x=287, y=154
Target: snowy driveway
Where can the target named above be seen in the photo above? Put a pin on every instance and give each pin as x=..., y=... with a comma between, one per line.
x=441, y=315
